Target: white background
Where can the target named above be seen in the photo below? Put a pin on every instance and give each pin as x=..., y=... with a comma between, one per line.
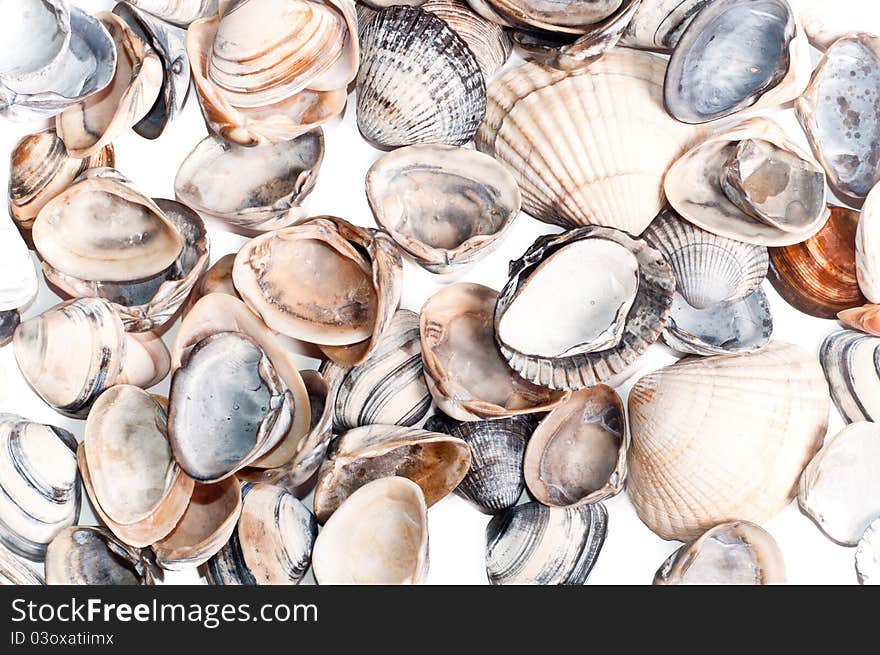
x=631, y=553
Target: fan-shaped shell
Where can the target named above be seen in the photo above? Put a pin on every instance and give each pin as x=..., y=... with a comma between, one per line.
x=851, y=361
x=868, y=247
x=489, y=43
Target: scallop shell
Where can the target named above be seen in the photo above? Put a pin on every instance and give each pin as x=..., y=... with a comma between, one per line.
x=89, y=555
x=868, y=247
x=851, y=361
x=533, y=544
x=868, y=555
x=866, y=319
x=586, y=147
x=489, y=43
x=436, y=462
x=659, y=24
x=15, y=572
x=723, y=437
x=178, y=12
x=419, y=82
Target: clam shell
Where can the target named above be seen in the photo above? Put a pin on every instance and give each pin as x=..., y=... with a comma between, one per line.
x=89, y=555
x=89, y=125
x=868, y=555
x=577, y=454
x=658, y=25
x=9, y=321
x=18, y=280
x=568, y=17
x=217, y=279
x=826, y=22
x=868, y=247
x=39, y=485
x=258, y=188
x=466, y=373
x=866, y=319
x=378, y=536
x=642, y=324
x=272, y=543
x=389, y=387
x=15, y=572
x=435, y=461
x=737, y=553
x=533, y=544
x=851, y=361
x=495, y=479
x=178, y=12
x=40, y=169
x=419, y=82
x=709, y=269
x=840, y=488
x=818, y=276
x=445, y=206
x=723, y=437
x=489, y=43
x=845, y=91
x=586, y=147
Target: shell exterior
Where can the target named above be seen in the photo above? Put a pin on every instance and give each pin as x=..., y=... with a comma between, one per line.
x=868, y=555
x=737, y=553
x=15, y=572
x=419, y=82
x=18, y=280
x=643, y=323
x=257, y=188
x=489, y=43
x=569, y=17
x=659, y=25
x=9, y=321
x=435, y=461
x=389, y=387
x=495, y=479
x=723, y=437
x=533, y=544
x=824, y=23
x=178, y=12
x=818, y=276
x=272, y=543
x=868, y=247
x=866, y=319
x=851, y=361
x=39, y=485
x=845, y=91
x=89, y=555
x=378, y=536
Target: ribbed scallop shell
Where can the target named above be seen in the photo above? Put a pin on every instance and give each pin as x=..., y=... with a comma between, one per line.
x=851, y=361
x=489, y=43
x=418, y=82
x=709, y=269
x=586, y=147
x=723, y=438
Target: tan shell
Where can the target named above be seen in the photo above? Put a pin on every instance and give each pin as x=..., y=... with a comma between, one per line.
x=868, y=247
x=179, y=12
x=489, y=43
x=723, y=438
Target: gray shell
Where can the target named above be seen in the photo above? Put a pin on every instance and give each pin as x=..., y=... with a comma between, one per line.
x=540, y=545
x=659, y=24
x=851, y=361
x=178, y=12
x=89, y=555
x=9, y=320
x=15, y=572
x=489, y=43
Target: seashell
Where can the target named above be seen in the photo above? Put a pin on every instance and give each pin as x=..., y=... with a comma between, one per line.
x=466, y=373
x=205, y=527
x=845, y=92
x=495, y=480
x=389, y=387
x=487, y=41
x=568, y=17
x=435, y=461
x=709, y=269
x=378, y=536
x=818, y=276
x=732, y=327
x=9, y=321
x=134, y=483
x=737, y=54
x=577, y=454
x=533, y=544
x=693, y=188
x=722, y=437
x=39, y=485
x=348, y=282
x=178, y=12
x=258, y=188
x=228, y=407
x=851, y=361
x=445, y=206
x=419, y=82
x=71, y=353
x=272, y=543
x=18, y=277
x=89, y=555
x=868, y=247
x=57, y=57
x=866, y=319
x=658, y=25
x=825, y=22
x=840, y=489
x=217, y=279
x=216, y=313
x=569, y=323
x=868, y=555
x=89, y=125
x=275, y=83
x=102, y=228
x=15, y=572
x=737, y=553
x=150, y=303
x=562, y=159
x=169, y=42
x=40, y=169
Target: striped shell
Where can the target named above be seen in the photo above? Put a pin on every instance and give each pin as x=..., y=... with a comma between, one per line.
x=489, y=43
x=851, y=361
x=90, y=555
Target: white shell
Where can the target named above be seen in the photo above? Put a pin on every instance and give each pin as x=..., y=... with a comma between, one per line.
x=178, y=12
x=868, y=247
x=851, y=361
x=868, y=555
x=18, y=277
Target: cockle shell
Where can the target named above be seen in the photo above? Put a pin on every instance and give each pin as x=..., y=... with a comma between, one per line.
x=378, y=536
x=39, y=485
x=826, y=22
x=15, y=572
x=489, y=43
x=533, y=544
x=178, y=12
x=419, y=82
x=868, y=555
x=851, y=361
x=659, y=24
x=866, y=319
x=868, y=247
x=721, y=438
x=435, y=461
x=554, y=130
x=89, y=555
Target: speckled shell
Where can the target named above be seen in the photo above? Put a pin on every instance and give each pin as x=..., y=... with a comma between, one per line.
x=851, y=361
